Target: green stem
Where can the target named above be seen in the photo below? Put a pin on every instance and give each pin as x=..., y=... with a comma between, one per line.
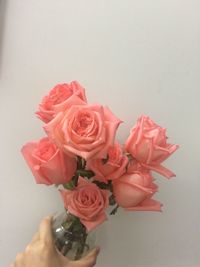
x=75, y=234
x=81, y=246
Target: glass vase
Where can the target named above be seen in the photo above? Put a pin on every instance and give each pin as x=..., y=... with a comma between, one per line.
x=71, y=237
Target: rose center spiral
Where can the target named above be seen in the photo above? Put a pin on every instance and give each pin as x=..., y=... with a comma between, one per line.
x=83, y=124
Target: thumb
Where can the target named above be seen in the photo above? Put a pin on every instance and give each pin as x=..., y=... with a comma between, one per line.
x=90, y=259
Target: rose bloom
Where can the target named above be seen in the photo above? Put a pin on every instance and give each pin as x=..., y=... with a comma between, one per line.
x=48, y=164
x=147, y=143
x=134, y=191
x=88, y=202
x=114, y=167
x=57, y=99
x=84, y=130
x=135, y=166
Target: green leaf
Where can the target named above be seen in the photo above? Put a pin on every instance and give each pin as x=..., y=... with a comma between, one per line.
x=66, y=225
x=75, y=179
x=69, y=185
x=113, y=212
x=85, y=173
x=102, y=185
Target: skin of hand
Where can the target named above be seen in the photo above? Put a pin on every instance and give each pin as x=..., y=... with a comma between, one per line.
x=41, y=252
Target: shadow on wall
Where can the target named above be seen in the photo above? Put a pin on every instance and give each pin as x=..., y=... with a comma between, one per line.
x=2, y=22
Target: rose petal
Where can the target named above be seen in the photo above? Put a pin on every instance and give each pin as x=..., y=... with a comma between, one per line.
x=147, y=205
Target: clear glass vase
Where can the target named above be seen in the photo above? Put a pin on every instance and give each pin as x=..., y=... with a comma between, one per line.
x=71, y=237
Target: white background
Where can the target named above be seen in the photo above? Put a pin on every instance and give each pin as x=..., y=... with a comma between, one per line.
x=134, y=56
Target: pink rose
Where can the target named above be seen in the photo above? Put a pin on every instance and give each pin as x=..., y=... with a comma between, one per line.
x=88, y=202
x=135, y=166
x=147, y=143
x=113, y=168
x=84, y=130
x=133, y=191
x=48, y=164
x=57, y=99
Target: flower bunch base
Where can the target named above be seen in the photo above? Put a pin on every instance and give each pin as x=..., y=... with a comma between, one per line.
x=71, y=237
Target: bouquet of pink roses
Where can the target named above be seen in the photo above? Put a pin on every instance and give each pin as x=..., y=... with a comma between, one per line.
x=93, y=171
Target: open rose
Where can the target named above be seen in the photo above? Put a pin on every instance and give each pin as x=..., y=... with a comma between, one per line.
x=147, y=143
x=88, y=202
x=57, y=99
x=113, y=168
x=84, y=130
x=134, y=191
x=48, y=164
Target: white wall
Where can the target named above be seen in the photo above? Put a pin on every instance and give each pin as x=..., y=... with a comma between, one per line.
x=135, y=56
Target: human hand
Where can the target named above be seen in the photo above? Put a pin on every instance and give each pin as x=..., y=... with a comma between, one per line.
x=41, y=252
